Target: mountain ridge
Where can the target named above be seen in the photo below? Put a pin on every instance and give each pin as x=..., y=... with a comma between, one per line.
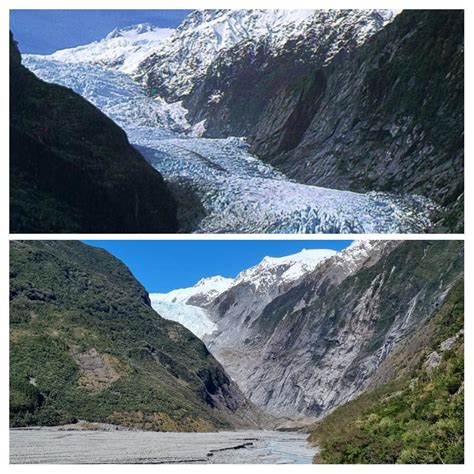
x=123, y=49
x=218, y=184
x=269, y=334
x=398, y=127
x=175, y=60
x=180, y=303
x=86, y=344
x=206, y=34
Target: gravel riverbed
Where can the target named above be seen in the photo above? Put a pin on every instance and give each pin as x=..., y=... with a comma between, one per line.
x=56, y=446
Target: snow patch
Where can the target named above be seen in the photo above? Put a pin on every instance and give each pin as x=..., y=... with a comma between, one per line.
x=215, y=97
x=206, y=288
x=198, y=129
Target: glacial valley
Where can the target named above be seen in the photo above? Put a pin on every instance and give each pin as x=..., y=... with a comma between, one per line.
x=220, y=186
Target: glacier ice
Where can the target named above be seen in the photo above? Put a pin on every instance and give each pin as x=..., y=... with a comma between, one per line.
x=177, y=305
x=192, y=317
x=237, y=192
x=190, y=306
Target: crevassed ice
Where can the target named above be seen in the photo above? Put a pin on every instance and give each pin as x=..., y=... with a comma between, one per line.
x=238, y=193
x=192, y=317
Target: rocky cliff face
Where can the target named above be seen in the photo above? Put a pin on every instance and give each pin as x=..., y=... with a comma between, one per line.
x=257, y=331
x=303, y=346
x=418, y=389
x=72, y=169
x=321, y=352
x=240, y=82
x=86, y=344
x=206, y=36
x=383, y=115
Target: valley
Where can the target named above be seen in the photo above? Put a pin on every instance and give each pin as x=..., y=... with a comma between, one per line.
x=221, y=186
x=52, y=446
x=217, y=177
x=244, y=350
x=304, y=334
x=305, y=341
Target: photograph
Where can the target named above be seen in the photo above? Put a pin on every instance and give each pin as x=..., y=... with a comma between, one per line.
x=234, y=234
x=237, y=121
x=239, y=352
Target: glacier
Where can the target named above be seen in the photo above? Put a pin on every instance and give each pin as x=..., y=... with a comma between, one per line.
x=191, y=317
x=188, y=306
x=218, y=181
x=177, y=304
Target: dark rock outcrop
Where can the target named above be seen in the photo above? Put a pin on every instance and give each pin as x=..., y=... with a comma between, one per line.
x=72, y=169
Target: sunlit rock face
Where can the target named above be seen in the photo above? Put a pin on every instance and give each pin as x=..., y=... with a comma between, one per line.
x=304, y=334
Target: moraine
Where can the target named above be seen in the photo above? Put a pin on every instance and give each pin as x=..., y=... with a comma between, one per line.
x=56, y=446
x=221, y=186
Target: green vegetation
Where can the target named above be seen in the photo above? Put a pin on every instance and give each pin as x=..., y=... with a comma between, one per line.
x=85, y=344
x=415, y=417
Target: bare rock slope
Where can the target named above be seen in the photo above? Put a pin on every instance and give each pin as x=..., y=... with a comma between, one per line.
x=303, y=346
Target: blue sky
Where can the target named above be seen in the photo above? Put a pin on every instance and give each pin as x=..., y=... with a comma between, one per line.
x=164, y=265
x=46, y=31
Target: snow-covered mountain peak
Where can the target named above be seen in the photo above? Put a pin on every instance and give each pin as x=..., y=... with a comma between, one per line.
x=361, y=252
x=231, y=26
x=256, y=286
x=359, y=246
x=123, y=49
x=362, y=249
x=305, y=256
x=204, y=35
x=141, y=31
x=203, y=290
x=288, y=269
x=170, y=61
x=213, y=283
